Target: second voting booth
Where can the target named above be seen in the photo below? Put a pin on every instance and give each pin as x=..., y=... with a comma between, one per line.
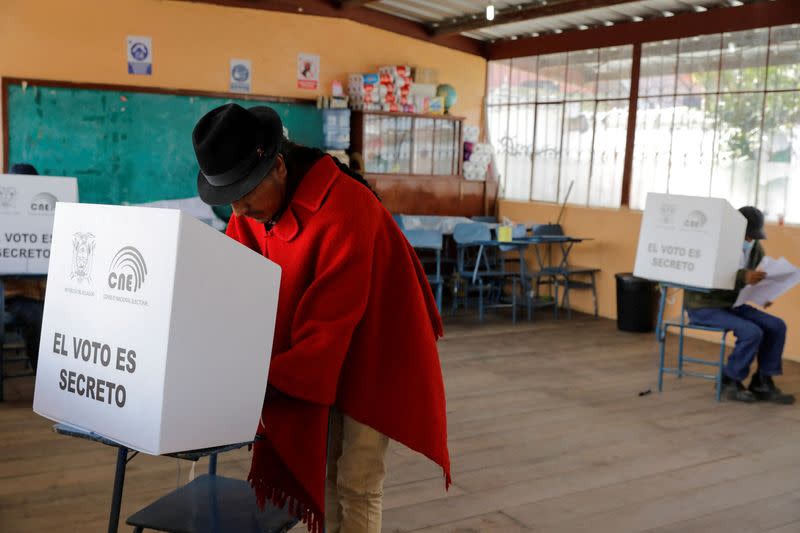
x=690, y=240
x=27, y=206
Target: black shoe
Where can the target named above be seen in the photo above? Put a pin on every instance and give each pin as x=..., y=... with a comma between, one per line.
x=734, y=391
x=765, y=390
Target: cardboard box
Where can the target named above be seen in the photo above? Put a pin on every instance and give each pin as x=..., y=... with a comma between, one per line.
x=690, y=240
x=426, y=75
x=436, y=106
x=157, y=329
x=27, y=205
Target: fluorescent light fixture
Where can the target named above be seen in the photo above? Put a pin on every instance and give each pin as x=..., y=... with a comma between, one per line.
x=514, y=37
x=700, y=9
x=736, y=3
x=558, y=30
x=637, y=18
x=490, y=12
x=668, y=14
x=583, y=27
x=608, y=23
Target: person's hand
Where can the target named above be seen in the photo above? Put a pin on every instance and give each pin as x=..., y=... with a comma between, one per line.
x=752, y=277
x=767, y=305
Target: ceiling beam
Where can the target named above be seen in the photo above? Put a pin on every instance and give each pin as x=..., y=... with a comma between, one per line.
x=345, y=4
x=715, y=20
x=360, y=14
x=517, y=13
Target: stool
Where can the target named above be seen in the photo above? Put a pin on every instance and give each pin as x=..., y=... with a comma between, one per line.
x=211, y=504
x=208, y=504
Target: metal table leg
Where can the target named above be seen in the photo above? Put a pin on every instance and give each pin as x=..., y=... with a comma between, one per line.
x=116, y=495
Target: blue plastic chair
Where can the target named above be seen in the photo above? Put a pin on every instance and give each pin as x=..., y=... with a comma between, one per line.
x=426, y=239
x=475, y=273
x=565, y=276
x=399, y=220
x=662, y=328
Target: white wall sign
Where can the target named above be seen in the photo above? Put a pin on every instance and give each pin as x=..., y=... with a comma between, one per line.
x=307, y=71
x=27, y=205
x=690, y=240
x=157, y=329
x=241, y=75
x=140, y=55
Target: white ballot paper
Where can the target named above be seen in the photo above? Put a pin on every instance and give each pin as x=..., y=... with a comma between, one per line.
x=781, y=276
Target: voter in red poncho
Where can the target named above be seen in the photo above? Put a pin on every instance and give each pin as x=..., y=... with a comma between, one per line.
x=354, y=359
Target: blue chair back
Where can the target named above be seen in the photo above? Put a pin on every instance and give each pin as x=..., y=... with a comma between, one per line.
x=399, y=220
x=548, y=230
x=469, y=232
x=424, y=239
x=490, y=220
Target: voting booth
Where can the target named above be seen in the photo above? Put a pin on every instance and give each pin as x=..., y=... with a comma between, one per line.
x=27, y=205
x=691, y=241
x=157, y=329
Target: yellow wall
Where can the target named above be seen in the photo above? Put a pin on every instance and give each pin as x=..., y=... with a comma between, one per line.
x=84, y=40
x=616, y=235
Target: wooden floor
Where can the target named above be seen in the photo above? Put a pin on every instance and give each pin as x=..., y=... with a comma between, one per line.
x=547, y=433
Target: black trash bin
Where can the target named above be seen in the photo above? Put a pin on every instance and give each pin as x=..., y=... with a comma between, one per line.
x=637, y=303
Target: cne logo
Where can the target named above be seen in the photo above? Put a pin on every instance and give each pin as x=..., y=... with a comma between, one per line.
x=43, y=203
x=695, y=220
x=128, y=270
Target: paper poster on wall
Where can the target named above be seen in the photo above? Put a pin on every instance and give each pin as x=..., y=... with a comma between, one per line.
x=241, y=74
x=140, y=55
x=307, y=71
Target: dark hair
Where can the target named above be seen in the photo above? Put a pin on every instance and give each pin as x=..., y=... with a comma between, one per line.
x=299, y=160
x=23, y=168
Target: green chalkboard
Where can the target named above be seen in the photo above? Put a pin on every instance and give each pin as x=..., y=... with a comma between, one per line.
x=123, y=146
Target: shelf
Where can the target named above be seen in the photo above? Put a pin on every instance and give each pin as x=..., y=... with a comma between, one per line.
x=412, y=115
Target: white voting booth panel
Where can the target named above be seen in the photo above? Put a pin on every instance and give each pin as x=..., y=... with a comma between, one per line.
x=690, y=240
x=157, y=329
x=27, y=205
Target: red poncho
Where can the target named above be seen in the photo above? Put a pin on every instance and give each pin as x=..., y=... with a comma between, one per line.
x=357, y=326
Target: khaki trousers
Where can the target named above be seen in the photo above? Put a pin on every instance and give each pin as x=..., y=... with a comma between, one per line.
x=356, y=470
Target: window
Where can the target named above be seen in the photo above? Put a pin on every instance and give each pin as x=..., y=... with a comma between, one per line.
x=719, y=115
x=558, y=123
x=716, y=115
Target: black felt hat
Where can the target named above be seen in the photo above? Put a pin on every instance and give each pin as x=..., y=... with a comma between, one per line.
x=235, y=148
x=755, y=222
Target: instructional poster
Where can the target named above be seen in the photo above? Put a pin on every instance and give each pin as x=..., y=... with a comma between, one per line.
x=241, y=73
x=140, y=55
x=307, y=71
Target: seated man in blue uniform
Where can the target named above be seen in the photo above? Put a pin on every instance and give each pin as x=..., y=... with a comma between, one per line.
x=758, y=334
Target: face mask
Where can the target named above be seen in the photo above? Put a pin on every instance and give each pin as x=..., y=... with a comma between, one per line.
x=747, y=246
